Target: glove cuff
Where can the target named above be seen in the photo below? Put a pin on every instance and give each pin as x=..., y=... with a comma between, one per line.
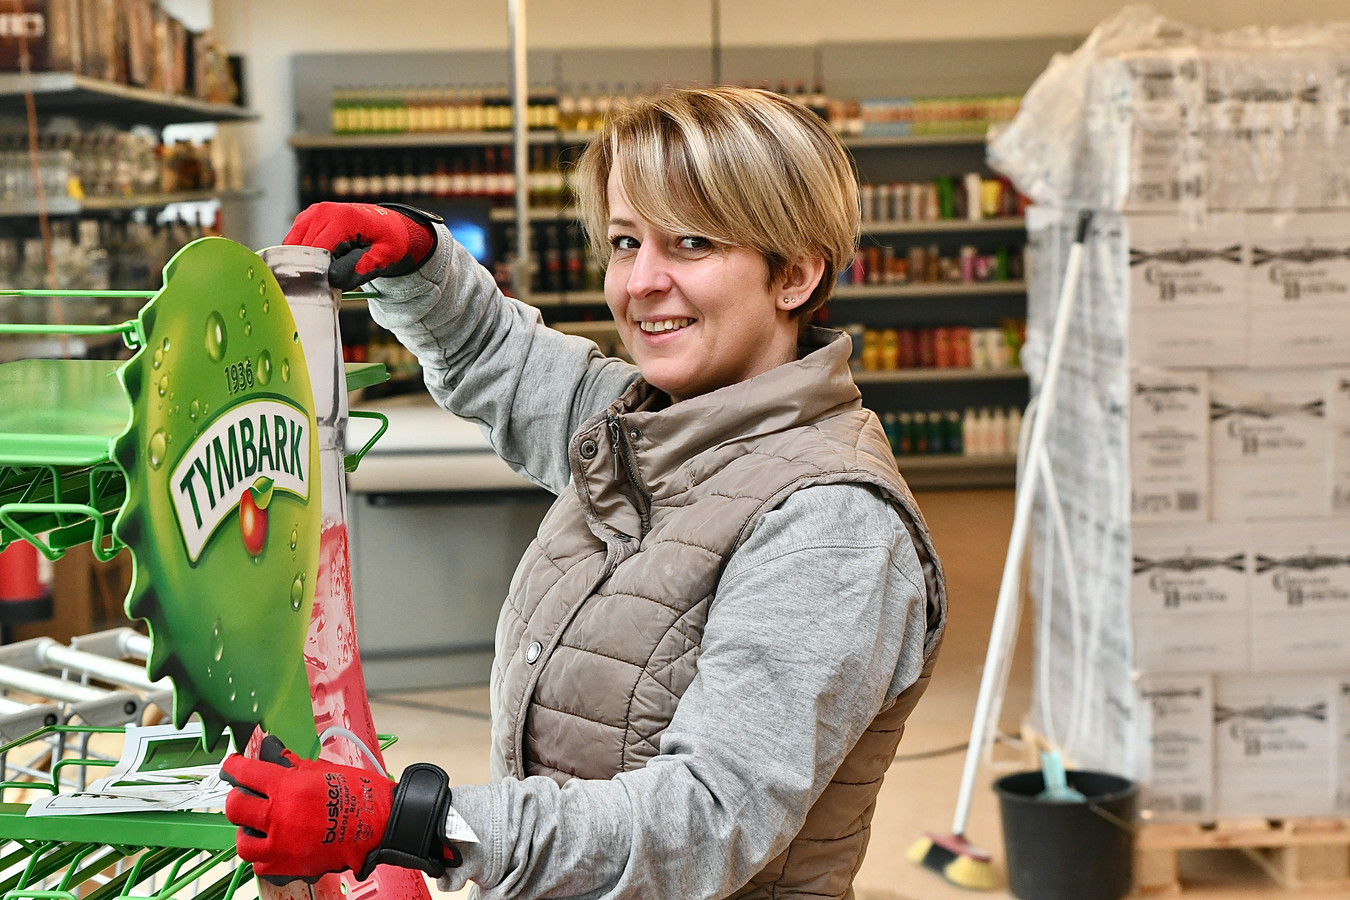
x=415, y=835
x=421, y=231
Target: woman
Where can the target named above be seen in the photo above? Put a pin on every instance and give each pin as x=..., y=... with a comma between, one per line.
x=707, y=656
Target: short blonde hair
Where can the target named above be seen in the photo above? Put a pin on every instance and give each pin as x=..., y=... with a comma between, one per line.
x=741, y=167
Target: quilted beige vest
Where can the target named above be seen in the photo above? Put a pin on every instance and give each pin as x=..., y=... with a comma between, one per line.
x=600, y=633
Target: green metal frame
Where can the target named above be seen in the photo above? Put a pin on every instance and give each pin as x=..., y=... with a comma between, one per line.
x=60, y=486
x=182, y=847
x=186, y=845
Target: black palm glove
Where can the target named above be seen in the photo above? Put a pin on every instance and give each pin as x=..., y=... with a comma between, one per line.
x=367, y=240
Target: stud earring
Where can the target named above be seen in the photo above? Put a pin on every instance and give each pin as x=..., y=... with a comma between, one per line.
x=792, y=301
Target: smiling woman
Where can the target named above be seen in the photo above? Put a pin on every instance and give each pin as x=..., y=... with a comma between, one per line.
x=708, y=654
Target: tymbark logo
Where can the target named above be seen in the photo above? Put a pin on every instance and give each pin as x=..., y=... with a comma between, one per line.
x=254, y=439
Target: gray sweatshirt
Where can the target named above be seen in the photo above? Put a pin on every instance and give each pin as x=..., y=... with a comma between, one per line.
x=774, y=707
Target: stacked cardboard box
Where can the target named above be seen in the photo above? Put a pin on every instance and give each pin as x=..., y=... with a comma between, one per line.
x=1196, y=635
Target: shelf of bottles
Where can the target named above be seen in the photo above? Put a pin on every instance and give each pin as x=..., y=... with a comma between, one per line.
x=937, y=353
x=105, y=170
x=581, y=108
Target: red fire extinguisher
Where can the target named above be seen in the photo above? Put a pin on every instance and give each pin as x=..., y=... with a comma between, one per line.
x=25, y=584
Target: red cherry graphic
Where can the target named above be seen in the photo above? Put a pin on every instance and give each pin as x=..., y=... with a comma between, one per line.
x=252, y=524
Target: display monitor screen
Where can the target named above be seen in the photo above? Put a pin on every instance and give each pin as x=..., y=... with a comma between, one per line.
x=470, y=224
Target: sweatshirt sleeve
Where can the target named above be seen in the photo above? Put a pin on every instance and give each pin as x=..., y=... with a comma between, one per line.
x=490, y=359
x=785, y=686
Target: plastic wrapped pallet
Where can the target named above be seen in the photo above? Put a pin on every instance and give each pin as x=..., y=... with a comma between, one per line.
x=1190, y=562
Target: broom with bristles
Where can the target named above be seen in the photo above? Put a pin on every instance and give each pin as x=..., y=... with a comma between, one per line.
x=952, y=856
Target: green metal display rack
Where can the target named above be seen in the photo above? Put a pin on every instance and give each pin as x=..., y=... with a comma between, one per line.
x=61, y=486
x=142, y=855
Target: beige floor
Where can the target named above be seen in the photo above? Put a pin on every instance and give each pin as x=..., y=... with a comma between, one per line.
x=971, y=529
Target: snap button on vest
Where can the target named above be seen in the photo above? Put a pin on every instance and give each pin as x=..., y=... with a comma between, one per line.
x=588, y=449
x=532, y=652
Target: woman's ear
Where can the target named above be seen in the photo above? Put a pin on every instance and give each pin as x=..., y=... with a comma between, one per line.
x=801, y=279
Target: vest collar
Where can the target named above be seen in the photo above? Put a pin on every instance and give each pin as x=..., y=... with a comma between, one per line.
x=668, y=436
x=815, y=384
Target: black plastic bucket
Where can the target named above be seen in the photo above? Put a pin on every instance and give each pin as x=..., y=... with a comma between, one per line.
x=1068, y=851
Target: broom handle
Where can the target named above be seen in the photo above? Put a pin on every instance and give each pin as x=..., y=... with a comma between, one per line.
x=1010, y=585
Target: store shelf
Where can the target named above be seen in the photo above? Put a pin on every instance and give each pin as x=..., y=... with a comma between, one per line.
x=415, y=139
x=917, y=291
x=934, y=375
x=942, y=226
x=575, y=298
x=900, y=142
x=537, y=214
x=856, y=142
x=64, y=93
x=949, y=471
x=849, y=292
x=68, y=206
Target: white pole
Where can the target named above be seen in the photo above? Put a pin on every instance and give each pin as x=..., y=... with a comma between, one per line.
x=1011, y=583
x=520, y=89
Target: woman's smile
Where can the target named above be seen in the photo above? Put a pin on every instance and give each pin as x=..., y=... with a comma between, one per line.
x=665, y=326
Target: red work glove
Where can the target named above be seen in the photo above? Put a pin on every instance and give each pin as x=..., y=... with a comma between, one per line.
x=301, y=818
x=367, y=240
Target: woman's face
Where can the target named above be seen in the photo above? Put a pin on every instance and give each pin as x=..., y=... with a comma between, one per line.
x=694, y=317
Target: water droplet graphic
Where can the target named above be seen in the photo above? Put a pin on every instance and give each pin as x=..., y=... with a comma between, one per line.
x=159, y=358
x=262, y=289
x=217, y=641
x=295, y=537
x=298, y=592
x=159, y=448
x=194, y=410
x=250, y=273
x=165, y=345
x=248, y=328
x=215, y=336
x=163, y=386
x=267, y=305
x=285, y=370
x=264, y=367
x=243, y=310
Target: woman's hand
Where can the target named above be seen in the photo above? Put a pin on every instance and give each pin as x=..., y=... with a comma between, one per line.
x=301, y=818
x=367, y=240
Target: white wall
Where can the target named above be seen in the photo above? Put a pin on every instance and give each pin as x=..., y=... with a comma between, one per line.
x=267, y=32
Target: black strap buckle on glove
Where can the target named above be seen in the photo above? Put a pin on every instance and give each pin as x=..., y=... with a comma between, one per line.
x=415, y=835
x=429, y=219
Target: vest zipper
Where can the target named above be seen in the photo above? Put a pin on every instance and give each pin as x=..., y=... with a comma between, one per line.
x=625, y=464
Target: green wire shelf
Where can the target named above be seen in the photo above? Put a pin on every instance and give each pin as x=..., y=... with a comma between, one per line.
x=151, y=855
x=59, y=421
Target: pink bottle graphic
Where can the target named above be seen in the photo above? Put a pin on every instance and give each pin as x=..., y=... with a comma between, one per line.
x=332, y=662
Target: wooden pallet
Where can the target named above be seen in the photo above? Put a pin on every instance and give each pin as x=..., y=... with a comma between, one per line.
x=1296, y=853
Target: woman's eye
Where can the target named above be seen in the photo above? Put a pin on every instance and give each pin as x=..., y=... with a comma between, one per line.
x=694, y=242
x=623, y=242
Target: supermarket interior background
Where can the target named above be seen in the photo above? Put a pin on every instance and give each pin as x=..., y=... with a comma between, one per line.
x=1201, y=441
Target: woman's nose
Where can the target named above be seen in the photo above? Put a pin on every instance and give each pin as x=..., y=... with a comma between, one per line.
x=650, y=272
